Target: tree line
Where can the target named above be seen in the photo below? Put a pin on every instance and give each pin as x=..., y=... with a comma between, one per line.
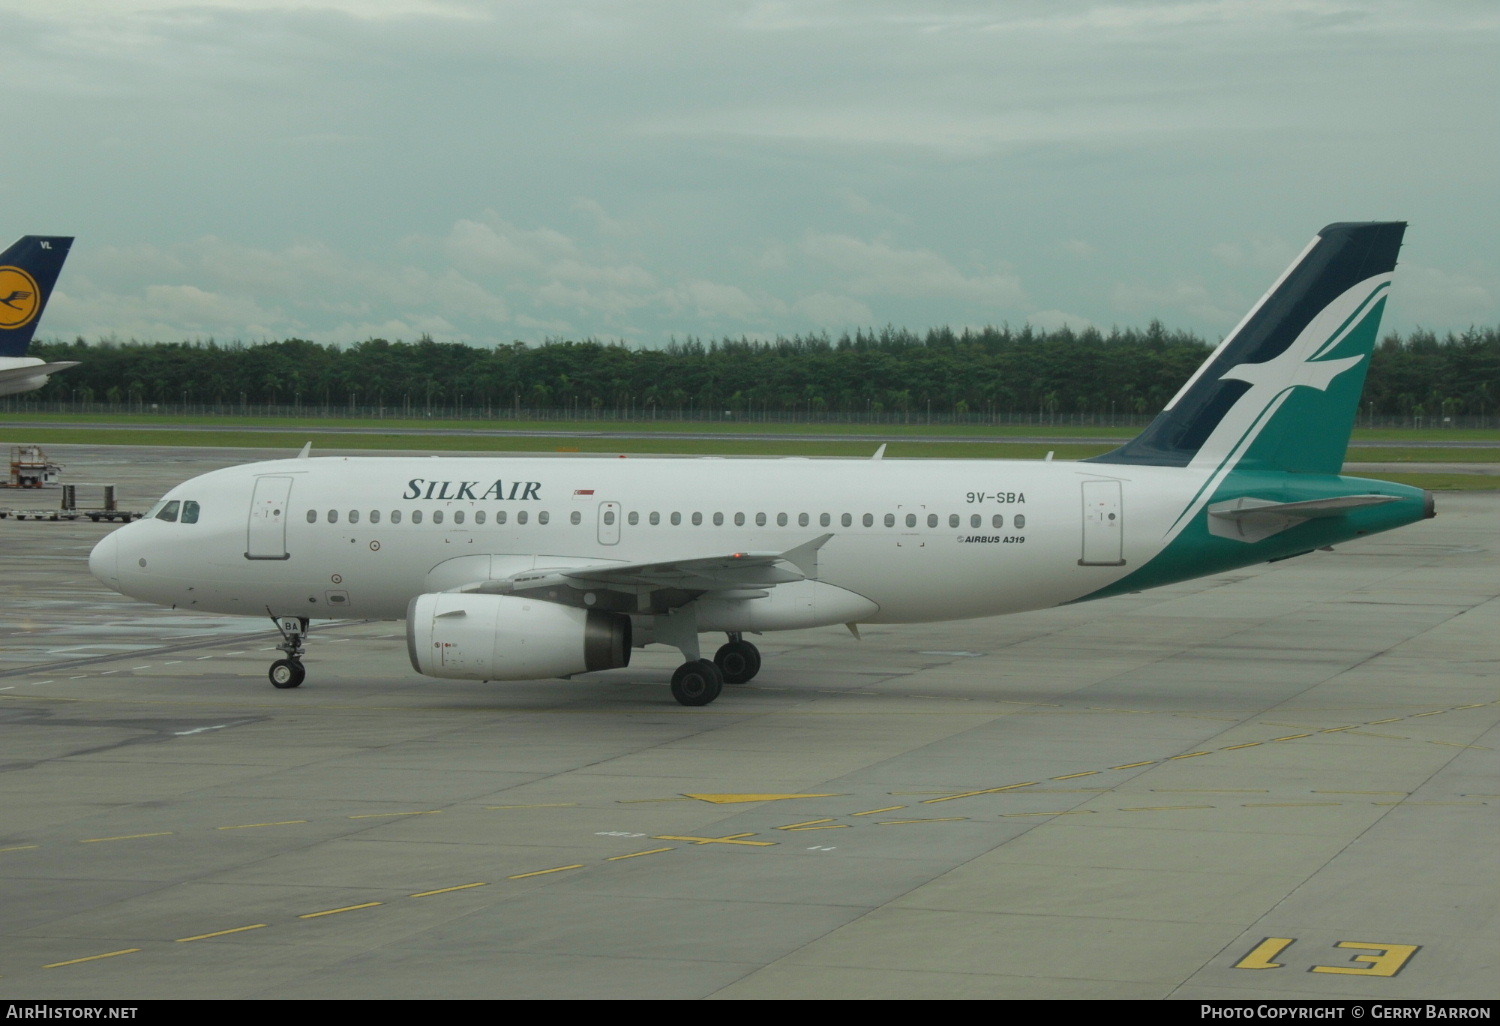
x=961, y=374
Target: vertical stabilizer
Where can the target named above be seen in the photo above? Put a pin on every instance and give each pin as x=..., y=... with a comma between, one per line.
x=1281, y=392
x=28, y=271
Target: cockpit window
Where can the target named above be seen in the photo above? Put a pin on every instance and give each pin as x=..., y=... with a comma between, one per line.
x=168, y=511
x=189, y=511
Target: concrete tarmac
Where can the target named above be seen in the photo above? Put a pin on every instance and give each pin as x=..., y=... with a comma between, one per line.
x=1277, y=783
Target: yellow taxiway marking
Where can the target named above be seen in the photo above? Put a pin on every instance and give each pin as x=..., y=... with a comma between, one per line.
x=553, y=805
x=1260, y=958
x=1291, y=737
x=124, y=837
x=91, y=958
x=734, y=799
x=813, y=824
x=384, y=815
x=1247, y=744
x=1165, y=808
x=252, y=826
x=1392, y=719
x=447, y=890
x=1361, y=792
x=974, y=794
x=1072, y=776
x=1133, y=765
x=21, y=847
x=1069, y=812
x=1189, y=755
x=544, y=872
x=727, y=839
x=638, y=854
x=888, y=808
x=1210, y=790
x=221, y=933
x=1287, y=805
x=901, y=822
x=346, y=908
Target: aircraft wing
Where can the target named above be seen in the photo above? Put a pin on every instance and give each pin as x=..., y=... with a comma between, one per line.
x=727, y=572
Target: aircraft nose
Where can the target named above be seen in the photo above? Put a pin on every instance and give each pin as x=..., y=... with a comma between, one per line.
x=104, y=561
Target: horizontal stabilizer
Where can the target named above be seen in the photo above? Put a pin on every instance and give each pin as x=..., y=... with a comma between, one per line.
x=1249, y=519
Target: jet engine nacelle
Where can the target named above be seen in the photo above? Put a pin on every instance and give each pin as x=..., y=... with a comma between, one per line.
x=509, y=637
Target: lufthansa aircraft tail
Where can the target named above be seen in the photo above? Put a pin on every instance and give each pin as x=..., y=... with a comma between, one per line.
x=1281, y=391
x=28, y=270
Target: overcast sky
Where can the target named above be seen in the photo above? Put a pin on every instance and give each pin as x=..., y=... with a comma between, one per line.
x=643, y=169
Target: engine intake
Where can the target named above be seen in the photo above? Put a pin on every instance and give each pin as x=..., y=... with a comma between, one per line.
x=509, y=637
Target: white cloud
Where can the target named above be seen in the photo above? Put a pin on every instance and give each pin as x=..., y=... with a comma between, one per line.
x=881, y=268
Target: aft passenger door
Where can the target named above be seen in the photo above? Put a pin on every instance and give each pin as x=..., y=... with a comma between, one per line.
x=1103, y=525
x=267, y=531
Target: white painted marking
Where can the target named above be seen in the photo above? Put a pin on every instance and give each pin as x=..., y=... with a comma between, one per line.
x=199, y=730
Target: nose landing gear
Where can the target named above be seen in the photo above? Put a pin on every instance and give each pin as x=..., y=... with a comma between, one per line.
x=289, y=672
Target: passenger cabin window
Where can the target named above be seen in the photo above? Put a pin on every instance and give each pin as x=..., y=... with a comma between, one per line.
x=521, y=517
x=953, y=520
x=312, y=516
x=998, y=521
x=374, y=516
x=739, y=520
x=354, y=516
x=500, y=516
x=479, y=517
x=760, y=520
x=169, y=511
x=1020, y=521
x=890, y=520
x=416, y=516
x=869, y=520
x=333, y=516
x=577, y=517
x=458, y=516
x=975, y=520
x=633, y=519
x=781, y=520
x=847, y=519
x=718, y=520
x=437, y=516
x=697, y=519
x=911, y=520
x=676, y=519
x=543, y=517
x=609, y=517
x=655, y=518
x=395, y=516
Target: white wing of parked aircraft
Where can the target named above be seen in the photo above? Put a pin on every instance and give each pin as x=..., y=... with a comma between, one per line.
x=517, y=569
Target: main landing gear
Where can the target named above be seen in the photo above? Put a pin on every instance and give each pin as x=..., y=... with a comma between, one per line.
x=738, y=661
x=289, y=672
x=699, y=681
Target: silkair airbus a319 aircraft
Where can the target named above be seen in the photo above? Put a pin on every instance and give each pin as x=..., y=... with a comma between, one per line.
x=525, y=568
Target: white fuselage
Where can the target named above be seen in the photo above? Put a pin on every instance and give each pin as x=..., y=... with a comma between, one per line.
x=912, y=541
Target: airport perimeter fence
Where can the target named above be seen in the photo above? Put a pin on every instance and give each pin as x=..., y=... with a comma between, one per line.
x=418, y=412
